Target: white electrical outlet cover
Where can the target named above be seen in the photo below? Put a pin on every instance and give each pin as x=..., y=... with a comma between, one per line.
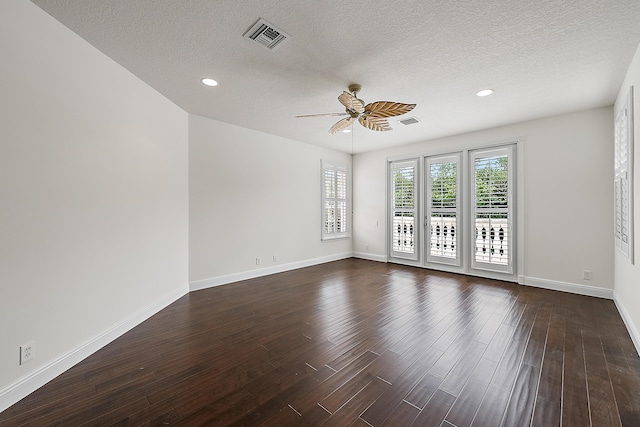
x=27, y=352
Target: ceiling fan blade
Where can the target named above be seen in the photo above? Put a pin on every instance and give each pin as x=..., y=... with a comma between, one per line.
x=341, y=124
x=375, y=123
x=387, y=109
x=351, y=102
x=322, y=115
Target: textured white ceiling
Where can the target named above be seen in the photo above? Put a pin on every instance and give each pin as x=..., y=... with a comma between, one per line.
x=541, y=57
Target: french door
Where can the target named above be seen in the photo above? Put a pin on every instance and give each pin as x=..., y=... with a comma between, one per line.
x=442, y=219
x=465, y=214
x=404, y=209
x=492, y=210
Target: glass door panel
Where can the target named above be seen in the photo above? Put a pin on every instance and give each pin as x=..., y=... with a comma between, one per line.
x=404, y=209
x=443, y=213
x=492, y=206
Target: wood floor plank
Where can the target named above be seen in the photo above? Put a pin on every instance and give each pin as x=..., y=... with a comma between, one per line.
x=285, y=417
x=575, y=401
x=492, y=408
x=315, y=416
x=359, y=343
x=512, y=317
x=423, y=391
x=344, y=393
x=269, y=393
x=511, y=361
x=188, y=405
x=451, y=356
x=459, y=374
x=388, y=367
x=306, y=401
x=602, y=405
x=490, y=328
x=521, y=402
x=548, y=407
x=626, y=387
x=435, y=410
x=381, y=408
x=346, y=414
x=360, y=348
x=465, y=407
x=421, y=350
x=228, y=380
x=499, y=342
x=402, y=415
x=538, y=338
x=220, y=415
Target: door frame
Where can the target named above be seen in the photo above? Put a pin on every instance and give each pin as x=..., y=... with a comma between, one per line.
x=517, y=274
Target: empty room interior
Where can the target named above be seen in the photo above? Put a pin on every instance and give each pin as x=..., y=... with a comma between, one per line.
x=319, y=213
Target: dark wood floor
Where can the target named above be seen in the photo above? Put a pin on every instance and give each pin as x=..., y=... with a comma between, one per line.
x=357, y=343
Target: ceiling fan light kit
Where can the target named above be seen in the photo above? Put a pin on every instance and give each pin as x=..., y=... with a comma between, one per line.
x=372, y=116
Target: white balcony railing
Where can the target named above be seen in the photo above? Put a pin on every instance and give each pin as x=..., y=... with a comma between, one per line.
x=491, y=236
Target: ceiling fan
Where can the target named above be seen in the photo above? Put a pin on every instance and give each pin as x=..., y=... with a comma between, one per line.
x=372, y=116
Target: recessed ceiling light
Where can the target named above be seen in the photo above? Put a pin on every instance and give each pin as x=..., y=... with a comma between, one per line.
x=346, y=131
x=485, y=92
x=209, y=82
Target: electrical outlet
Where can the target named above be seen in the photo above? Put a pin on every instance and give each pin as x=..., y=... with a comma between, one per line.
x=587, y=275
x=366, y=248
x=257, y=260
x=27, y=352
x=275, y=258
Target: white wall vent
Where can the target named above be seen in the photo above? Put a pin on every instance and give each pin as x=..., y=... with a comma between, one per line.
x=266, y=35
x=409, y=121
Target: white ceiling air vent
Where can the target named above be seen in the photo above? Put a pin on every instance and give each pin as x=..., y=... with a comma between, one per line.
x=409, y=121
x=266, y=34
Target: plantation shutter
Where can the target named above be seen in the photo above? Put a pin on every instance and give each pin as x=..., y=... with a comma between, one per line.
x=403, y=183
x=492, y=216
x=335, y=217
x=623, y=178
x=442, y=218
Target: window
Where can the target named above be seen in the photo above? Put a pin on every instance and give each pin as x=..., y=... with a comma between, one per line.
x=404, y=231
x=335, y=200
x=623, y=184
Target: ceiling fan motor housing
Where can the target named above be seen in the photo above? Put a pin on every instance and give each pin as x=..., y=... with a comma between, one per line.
x=354, y=88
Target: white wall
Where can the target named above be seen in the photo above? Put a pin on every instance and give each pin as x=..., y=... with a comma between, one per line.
x=567, y=191
x=253, y=195
x=94, y=190
x=627, y=276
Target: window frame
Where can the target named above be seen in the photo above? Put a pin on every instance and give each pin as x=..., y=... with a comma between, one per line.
x=624, y=179
x=336, y=168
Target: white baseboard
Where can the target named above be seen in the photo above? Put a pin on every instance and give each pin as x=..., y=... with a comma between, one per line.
x=574, y=288
x=631, y=328
x=197, y=285
x=29, y=383
x=370, y=257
